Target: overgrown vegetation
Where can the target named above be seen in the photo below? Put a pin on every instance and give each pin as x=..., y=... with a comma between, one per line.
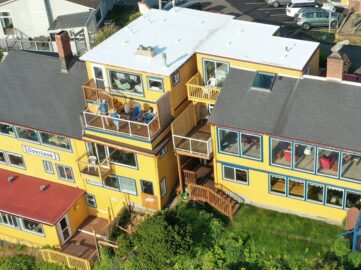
x=120, y=16
x=26, y=262
x=196, y=238
x=1, y=54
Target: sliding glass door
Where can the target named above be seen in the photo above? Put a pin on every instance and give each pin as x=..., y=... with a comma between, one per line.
x=215, y=72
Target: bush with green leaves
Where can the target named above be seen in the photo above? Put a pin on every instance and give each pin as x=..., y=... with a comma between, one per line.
x=1, y=54
x=18, y=262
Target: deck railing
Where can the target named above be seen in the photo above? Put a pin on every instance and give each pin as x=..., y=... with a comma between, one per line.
x=193, y=146
x=121, y=126
x=92, y=168
x=72, y=262
x=206, y=194
x=199, y=92
x=93, y=94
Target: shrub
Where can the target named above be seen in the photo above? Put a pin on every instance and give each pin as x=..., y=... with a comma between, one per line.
x=18, y=262
x=1, y=54
x=105, y=32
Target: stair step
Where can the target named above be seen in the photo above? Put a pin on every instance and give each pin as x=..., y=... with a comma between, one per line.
x=235, y=208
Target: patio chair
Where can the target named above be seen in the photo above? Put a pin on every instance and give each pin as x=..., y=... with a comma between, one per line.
x=326, y=162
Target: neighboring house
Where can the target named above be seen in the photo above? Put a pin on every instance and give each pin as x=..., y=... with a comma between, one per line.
x=33, y=18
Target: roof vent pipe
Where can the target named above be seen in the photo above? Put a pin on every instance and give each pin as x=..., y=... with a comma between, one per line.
x=11, y=179
x=43, y=187
x=164, y=57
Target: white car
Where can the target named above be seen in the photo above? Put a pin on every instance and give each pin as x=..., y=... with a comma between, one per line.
x=295, y=6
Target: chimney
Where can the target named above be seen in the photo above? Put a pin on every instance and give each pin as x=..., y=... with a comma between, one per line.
x=62, y=40
x=335, y=67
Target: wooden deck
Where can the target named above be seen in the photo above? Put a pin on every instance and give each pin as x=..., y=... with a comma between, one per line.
x=196, y=141
x=82, y=244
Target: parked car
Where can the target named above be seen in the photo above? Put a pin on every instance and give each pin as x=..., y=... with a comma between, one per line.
x=316, y=17
x=296, y=5
x=277, y=3
x=184, y=4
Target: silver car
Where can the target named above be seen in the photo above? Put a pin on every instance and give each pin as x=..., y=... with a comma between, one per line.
x=316, y=17
x=277, y=3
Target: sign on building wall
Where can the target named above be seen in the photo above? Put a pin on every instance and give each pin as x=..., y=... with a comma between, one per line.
x=40, y=153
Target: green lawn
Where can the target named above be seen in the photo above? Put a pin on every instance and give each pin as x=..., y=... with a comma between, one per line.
x=277, y=233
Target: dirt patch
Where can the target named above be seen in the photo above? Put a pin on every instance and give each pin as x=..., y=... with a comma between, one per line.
x=350, y=29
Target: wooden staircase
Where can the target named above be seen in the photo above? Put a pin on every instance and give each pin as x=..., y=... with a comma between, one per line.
x=206, y=192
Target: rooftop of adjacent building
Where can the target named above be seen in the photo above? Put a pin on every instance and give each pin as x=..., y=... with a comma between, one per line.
x=181, y=32
x=310, y=109
x=86, y=3
x=23, y=197
x=70, y=21
x=35, y=93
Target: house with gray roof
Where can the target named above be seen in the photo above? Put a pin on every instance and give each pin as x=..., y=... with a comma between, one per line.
x=38, y=18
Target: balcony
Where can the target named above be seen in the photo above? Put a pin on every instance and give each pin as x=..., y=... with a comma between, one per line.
x=191, y=133
x=90, y=167
x=199, y=92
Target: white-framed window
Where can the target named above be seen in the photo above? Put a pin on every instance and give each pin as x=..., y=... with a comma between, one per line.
x=6, y=129
x=123, y=158
x=155, y=84
x=163, y=187
x=27, y=134
x=112, y=182
x=9, y=220
x=2, y=157
x=6, y=23
x=15, y=160
x=228, y=141
x=236, y=175
x=32, y=226
x=127, y=185
x=98, y=75
x=124, y=82
x=55, y=140
x=175, y=78
x=48, y=166
x=277, y=184
x=65, y=173
x=334, y=196
x=91, y=201
x=296, y=188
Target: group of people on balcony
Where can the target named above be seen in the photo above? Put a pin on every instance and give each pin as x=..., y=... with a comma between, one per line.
x=132, y=114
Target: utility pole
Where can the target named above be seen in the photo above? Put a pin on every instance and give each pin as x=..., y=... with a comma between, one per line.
x=160, y=4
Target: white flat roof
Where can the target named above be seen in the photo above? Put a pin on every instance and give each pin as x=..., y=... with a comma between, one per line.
x=255, y=42
x=181, y=32
x=177, y=33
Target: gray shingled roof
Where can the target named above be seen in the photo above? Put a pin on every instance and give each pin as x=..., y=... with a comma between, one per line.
x=34, y=93
x=87, y=3
x=70, y=21
x=308, y=109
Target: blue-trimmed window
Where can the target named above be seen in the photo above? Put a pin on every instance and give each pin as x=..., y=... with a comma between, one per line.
x=296, y=188
x=27, y=134
x=234, y=174
x=328, y=162
x=55, y=140
x=112, y=182
x=315, y=192
x=123, y=158
x=228, y=141
x=282, y=152
x=334, y=196
x=351, y=166
x=277, y=184
x=304, y=157
x=6, y=129
x=353, y=199
x=251, y=146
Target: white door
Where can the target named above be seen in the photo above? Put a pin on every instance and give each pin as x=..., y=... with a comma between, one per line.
x=64, y=229
x=98, y=75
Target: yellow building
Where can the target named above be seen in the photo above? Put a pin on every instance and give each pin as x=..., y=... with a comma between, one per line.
x=130, y=119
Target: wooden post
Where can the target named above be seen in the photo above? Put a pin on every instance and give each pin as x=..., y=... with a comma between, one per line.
x=96, y=244
x=180, y=173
